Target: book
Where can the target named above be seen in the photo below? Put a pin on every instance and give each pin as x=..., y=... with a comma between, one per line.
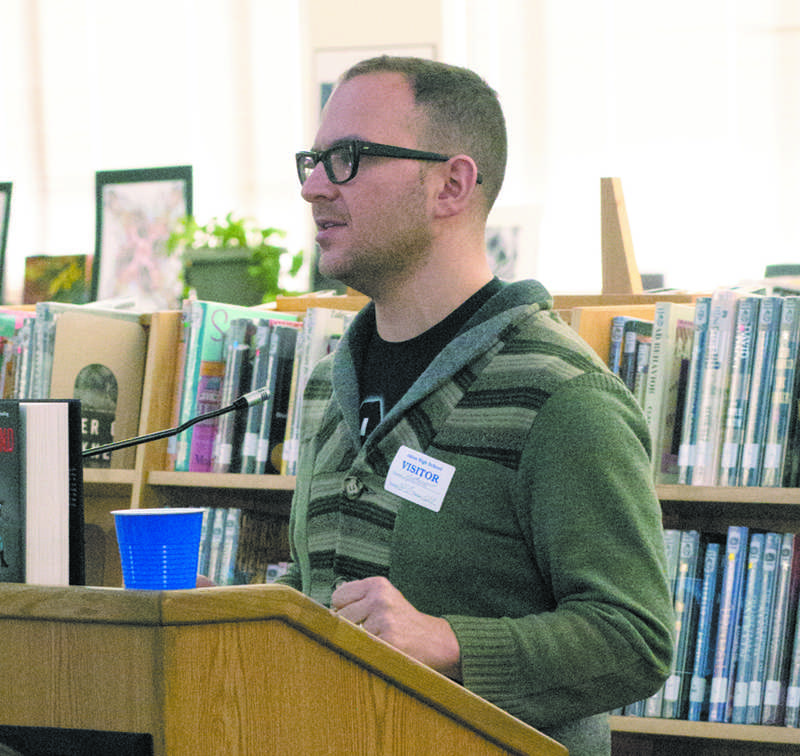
x=616, y=343
x=728, y=625
x=321, y=330
x=792, y=713
x=225, y=572
x=714, y=388
x=274, y=411
x=205, y=541
x=782, y=402
x=783, y=616
x=208, y=322
x=209, y=398
x=766, y=597
x=41, y=515
x=703, y=663
x=643, y=344
x=100, y=360
x=744, y=340
x=747, y=636
x=593, y=323
x=670, y=352
x=672, y=548
x=215, y=540
x=226, y=453
x=761, y=380
x=686, y=603
x=264, y=359
x=634, y=330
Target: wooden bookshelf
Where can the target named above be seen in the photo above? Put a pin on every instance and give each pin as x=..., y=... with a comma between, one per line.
x=710, y=509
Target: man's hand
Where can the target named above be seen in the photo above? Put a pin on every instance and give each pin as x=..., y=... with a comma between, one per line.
x=376, y=605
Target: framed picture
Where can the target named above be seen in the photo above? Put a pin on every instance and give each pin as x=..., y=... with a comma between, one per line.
x=135, y=212
x=5, y=214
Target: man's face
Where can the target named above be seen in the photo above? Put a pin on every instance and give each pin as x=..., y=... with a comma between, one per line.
x=374, y=230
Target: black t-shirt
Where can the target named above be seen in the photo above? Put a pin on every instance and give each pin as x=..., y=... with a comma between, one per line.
x=390, y=368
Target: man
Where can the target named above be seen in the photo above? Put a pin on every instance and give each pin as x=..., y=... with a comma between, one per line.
x=473, y=485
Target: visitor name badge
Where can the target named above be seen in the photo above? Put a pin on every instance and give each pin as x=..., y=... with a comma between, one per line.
x=416, y=477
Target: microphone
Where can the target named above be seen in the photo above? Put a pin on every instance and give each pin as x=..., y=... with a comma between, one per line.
x=250, y=399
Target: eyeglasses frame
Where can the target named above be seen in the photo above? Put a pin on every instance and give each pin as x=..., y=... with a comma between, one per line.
x=371, y=149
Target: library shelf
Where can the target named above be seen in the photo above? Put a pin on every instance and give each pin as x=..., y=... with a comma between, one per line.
x=677, y=728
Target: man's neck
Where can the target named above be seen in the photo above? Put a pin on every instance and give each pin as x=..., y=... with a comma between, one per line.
x=419, y=305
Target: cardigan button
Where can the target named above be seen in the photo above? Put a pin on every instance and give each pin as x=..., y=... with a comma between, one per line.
x=352, y=488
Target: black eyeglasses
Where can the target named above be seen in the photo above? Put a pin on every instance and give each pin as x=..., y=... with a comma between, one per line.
x=341, y=161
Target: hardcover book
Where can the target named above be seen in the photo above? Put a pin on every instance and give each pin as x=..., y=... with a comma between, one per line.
x=714, y=390
x=100, y=360
x=764, y=607
x=208, y=322
x=727, y=630
x=686, y=451
x=739, y=391
x=41, y=513
x=762, y=379
x=782, y=412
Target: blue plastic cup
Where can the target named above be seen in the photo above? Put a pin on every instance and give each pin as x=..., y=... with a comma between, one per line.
x=159, y=547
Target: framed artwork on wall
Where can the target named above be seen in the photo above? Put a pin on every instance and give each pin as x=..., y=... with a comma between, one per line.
x=135, y=212
x=5, y=214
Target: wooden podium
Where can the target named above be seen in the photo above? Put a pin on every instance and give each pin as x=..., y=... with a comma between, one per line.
x=241, y=670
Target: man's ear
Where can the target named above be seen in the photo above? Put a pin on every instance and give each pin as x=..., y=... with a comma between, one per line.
x=459, y=183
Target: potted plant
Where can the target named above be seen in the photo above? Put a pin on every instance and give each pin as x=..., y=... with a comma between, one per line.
x=233, y=260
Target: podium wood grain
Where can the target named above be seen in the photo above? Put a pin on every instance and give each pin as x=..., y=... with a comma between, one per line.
x=240, y=670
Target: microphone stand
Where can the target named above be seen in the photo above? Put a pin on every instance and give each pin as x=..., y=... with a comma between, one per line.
x=251, y=399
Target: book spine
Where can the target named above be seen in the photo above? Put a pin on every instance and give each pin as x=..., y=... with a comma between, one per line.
x=627, y=366
x=792, y=716
x=686, y=452
x=776, y=674
x=762, y=379
x=205, y=533
x=782, y=401
x=12, y=494
x=715, y=388
x=702, y=667
x=766, y=596
x=230, y=544
x=672, y=548
x=744, y=659
x=739, y=392
x=216, y=541
x=261, y=341
x=668, y=445
x=615, y=345
x=727, y=631
x=686, y=604
x=195, y=317
x=209, y=393
x=273, y=419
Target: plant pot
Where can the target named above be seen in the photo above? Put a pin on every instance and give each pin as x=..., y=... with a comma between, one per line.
x=220, y=275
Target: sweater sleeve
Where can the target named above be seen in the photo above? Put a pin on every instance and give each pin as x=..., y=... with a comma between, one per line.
x=586, y=499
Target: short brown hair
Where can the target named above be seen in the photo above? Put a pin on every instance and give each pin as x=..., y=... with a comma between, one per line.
x=464, y=112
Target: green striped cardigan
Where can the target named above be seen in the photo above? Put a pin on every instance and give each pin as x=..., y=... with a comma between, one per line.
x=546, y=556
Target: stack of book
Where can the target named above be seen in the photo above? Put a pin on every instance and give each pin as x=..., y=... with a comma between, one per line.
x=718, y=383
x=87, y=352
x=737, y=648
x=242, y=547
x=228, y=350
